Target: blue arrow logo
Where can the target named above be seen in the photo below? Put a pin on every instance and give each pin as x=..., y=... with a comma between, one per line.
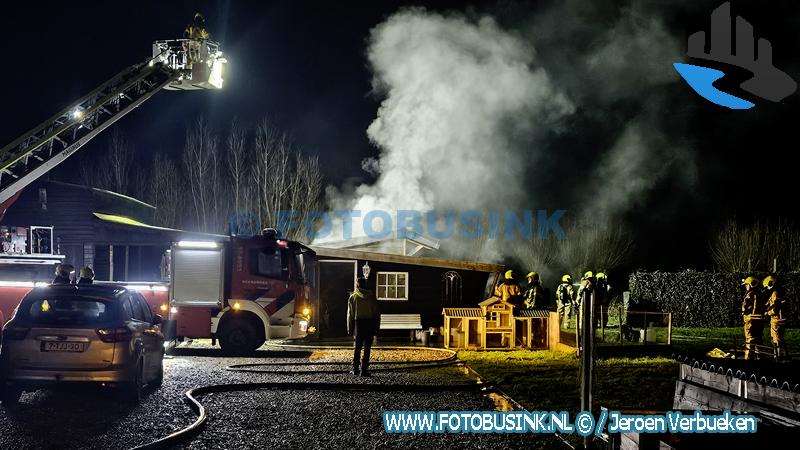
x=702, y=79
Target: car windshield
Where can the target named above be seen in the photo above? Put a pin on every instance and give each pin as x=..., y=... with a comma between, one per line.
x=71, y=311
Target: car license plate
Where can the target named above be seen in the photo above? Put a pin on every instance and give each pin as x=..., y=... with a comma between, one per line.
x=63, y=346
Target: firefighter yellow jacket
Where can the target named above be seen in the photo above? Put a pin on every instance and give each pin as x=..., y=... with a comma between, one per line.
x=753, y=304
x=776, y=304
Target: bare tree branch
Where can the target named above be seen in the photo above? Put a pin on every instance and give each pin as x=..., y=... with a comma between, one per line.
x=165, y=191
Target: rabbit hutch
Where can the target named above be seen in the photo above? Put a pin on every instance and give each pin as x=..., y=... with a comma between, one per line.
x=463, y=327
x=495, y=325
x=530, y=329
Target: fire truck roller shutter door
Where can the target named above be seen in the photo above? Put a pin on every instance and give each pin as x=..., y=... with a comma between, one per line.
x=242, y=327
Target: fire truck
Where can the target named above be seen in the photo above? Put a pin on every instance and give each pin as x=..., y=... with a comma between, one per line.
x=238, y=290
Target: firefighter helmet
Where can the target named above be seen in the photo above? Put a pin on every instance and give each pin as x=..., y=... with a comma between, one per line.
x=600, y=275
x=509, y=275
x=751, y=281
x=566, y=279
x=769, y=282
x=87, y=272
x=63, y=270
x=533, y=275
x=588, y=274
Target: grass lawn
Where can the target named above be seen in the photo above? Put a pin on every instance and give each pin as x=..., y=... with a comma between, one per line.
x=548, y=380
x=697, y=341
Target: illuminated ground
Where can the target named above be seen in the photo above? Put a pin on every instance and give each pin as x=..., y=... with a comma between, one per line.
x=92, y=418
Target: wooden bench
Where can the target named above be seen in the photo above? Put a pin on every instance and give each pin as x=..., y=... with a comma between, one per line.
x=401, y=322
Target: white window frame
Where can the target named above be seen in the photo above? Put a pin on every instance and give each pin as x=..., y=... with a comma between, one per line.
x=378, y=286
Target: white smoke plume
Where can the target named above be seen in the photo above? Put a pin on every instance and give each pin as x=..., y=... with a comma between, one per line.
x=458, y=95
x=473, y=111
x=638, y=161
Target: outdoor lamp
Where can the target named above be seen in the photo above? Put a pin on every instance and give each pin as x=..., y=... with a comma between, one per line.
x=365, y=269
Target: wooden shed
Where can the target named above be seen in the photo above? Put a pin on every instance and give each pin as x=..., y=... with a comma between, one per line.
x=407, y=287
x=108, y=231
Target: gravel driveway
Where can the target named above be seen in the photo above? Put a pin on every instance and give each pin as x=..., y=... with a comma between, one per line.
x=90, y=418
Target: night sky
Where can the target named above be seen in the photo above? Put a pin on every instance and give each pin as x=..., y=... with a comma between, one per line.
x=303, y=64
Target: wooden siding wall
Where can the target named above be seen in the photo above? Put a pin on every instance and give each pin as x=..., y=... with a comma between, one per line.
x=425, y=294
x=65, y=209
x=83, y=239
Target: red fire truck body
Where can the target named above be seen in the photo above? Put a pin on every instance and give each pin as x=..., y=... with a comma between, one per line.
x=240, y=291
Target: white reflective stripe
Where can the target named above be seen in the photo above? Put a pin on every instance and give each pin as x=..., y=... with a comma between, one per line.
x=18, y=284
x=264, y=301
x=139, y=287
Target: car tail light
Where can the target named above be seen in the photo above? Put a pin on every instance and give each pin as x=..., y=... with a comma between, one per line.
x=110, y=335
x=15, y=333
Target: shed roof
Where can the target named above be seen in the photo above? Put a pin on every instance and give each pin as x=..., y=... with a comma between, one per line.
x=128, y=221
x=413, y=260
x=361, y=241
x=463, y=312
x=492, y=300
x=535, y=313
x=122, y=220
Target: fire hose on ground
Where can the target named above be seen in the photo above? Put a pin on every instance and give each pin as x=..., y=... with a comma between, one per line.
x=191, y=396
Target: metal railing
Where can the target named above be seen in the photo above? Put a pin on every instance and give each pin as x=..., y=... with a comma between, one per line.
x=615, y=326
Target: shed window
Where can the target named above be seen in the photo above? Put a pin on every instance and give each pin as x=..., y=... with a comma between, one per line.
x=392, y=285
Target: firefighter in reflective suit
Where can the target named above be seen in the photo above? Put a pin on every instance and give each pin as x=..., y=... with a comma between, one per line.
x=777, y=309
x=565, y=297
x=509, y=290
x=753, y=309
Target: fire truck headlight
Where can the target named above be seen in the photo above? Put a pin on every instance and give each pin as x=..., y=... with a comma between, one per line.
x=306, y=311
x=173, y=310
x=303, y=326
x=237, y=306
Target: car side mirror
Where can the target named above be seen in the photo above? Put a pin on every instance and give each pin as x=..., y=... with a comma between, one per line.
x=157, y=319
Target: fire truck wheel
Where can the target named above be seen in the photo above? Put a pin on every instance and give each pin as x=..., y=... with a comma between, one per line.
x=239, y=337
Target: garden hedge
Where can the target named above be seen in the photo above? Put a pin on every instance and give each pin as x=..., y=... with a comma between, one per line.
x=703, y=299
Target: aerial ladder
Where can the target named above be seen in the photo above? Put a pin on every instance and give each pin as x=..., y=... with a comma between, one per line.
x=178, y=64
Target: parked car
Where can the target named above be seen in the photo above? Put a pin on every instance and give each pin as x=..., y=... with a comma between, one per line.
x=101, y=334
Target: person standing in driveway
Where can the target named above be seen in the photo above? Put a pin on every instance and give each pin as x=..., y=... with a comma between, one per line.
x=363, y=321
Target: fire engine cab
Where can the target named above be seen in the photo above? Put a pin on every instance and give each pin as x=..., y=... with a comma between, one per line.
x=240, y=291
